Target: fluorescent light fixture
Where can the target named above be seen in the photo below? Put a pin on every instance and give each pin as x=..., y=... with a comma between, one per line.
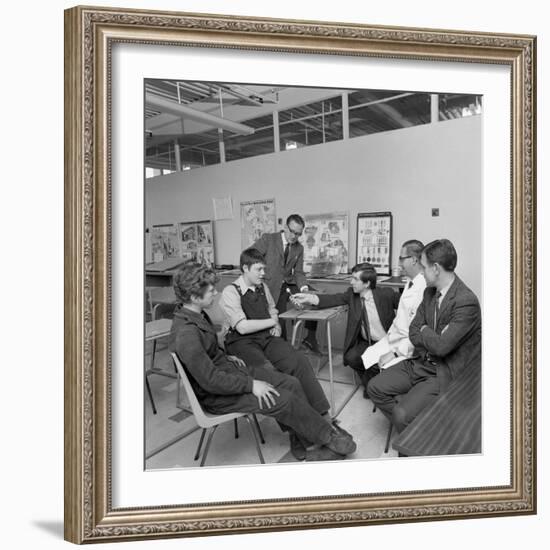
x=167, y=106
x=291, y=145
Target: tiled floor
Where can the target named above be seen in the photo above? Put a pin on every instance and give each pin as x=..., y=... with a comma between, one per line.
x=369, y=428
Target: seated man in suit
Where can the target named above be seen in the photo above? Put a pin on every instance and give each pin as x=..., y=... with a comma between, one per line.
x=224, y=383
x=446, y=333
x=371, y=312
x=284, y=261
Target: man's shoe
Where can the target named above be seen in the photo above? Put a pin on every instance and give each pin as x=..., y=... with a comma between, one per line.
x=341, y=443
x=323, y=453
x=336, y=425
x=310, y=342
x=297, y=448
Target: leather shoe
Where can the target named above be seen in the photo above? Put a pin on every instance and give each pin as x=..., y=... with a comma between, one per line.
x=341, y=443
x=311, y=344
x=323, y=453
x=297, y=448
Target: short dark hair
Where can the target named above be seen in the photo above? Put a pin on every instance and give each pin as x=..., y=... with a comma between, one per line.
x=414, y=248
x=193, y=280
x=296, y=218
x=249, y=257
x=368, y=273
x=442, y=252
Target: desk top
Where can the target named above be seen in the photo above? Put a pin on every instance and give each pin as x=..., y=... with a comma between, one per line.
x=157, y=329
x=313, y=314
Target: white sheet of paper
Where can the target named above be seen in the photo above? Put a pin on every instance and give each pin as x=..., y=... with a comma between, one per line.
x=372, y=354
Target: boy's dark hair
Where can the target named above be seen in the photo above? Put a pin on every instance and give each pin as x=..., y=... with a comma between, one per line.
x=368, y=273
x=249, y=257
x=193, y=280
x=296, y=218
x=442, y=252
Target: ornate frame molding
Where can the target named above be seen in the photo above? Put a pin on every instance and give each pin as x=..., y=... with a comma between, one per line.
x=89, y=34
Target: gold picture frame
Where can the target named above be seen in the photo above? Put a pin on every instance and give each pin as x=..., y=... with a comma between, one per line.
x=89, y=36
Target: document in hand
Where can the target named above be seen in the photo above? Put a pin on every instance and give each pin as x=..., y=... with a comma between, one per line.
x=373, y=353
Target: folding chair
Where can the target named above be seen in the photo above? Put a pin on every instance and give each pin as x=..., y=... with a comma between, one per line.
x=211, y=422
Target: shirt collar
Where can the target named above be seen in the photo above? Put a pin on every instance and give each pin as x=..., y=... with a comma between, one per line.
x=445, y=289
x=417, y=280
x=284, y=239
x=243, y=286
x=367, y=295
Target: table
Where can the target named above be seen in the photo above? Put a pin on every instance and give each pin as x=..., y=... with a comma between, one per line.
x=452, y=425
x=153, y=331
x=325, y=316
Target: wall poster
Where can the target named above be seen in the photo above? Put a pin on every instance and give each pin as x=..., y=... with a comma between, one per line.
x=374, y=240
x=164, y=242
x=197, y=241
x=325, y=241
x=257, y=217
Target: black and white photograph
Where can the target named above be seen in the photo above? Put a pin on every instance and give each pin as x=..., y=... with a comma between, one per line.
x=334, y=316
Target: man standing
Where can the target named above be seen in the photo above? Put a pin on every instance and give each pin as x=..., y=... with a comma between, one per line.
x=446, y=333
x=284, y=260
x=398, y=333
x=371, y=312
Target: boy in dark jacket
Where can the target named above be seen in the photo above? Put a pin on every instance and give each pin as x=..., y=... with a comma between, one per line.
x=224, y=383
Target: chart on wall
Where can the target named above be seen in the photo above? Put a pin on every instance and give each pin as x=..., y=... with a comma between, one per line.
x=197, y=241
x=164, y=242
x=374, y=240
x=257, y=217
x=325, y=241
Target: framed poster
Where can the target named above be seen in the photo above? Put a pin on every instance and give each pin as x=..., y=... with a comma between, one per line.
x=109, y=53
x=197, y=241
x=326, y=244
x=257, y=217
x=374, y=240
x=164, y=242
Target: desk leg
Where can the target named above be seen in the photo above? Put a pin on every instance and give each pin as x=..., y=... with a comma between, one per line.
x=297, y=325
x=330, y=372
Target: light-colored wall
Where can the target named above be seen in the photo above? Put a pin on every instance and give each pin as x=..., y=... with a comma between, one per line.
x=407, y=172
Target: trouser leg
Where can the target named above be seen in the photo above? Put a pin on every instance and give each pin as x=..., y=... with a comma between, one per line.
x=393, y=381
x=290, y=361
x=291, y=407
x=352, y=358
x=249, y=350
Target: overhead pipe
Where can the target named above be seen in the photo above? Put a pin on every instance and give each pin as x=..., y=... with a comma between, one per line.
x=184, y=111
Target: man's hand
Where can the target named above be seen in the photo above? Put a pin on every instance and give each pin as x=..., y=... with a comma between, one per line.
x=276, y=330
x=237, y=360
x=265, y=393
x=386, y=358
x=301, y=299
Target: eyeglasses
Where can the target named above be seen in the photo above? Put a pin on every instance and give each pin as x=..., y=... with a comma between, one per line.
x=401, y=258
x=295, y=233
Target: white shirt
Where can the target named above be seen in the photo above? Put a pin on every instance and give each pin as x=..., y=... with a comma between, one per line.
x=376, y=329
x=398, y=333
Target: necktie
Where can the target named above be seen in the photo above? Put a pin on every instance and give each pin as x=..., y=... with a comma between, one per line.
x=287, y=248
x=365, y=320
x=436, y=309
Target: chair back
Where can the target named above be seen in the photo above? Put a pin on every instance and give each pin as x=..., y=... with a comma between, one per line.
x=200, y=416
x=157, y=296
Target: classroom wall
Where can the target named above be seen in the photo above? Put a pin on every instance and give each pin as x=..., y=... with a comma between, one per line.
x=407, y=172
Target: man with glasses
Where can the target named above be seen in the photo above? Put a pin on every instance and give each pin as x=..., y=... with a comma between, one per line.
x=284, y=260
x=370, y=315
x=398, y=333
x=446, y=333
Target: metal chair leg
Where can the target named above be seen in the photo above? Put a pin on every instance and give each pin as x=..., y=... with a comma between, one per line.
x=197, y=454
x=256, y=439
x=207, y=448
x=258, y=428
x=388, y=438
x=236, y=429
x=150, y=394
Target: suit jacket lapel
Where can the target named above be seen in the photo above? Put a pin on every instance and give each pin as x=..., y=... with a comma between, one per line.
x=451, y=293
x=279, y=245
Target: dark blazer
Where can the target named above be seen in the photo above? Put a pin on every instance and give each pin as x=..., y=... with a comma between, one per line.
x=455, y=344
x=271, y=246
x=385, y=299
